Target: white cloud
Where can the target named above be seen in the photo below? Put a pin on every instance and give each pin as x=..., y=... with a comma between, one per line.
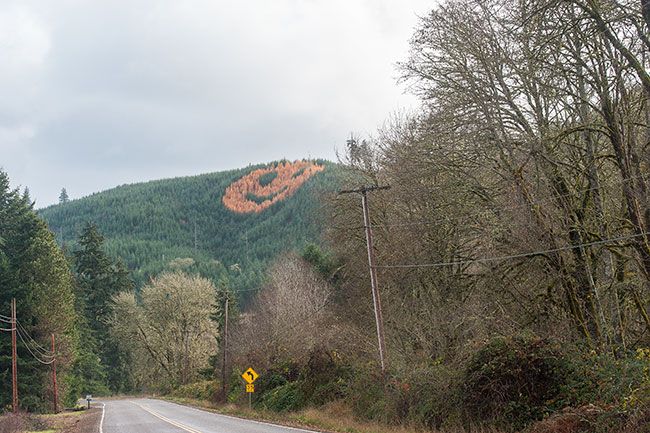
x=137, y=90
x=12, y=138
x=24, y=41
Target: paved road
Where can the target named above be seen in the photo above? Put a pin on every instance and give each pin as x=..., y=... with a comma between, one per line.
x=156, y=416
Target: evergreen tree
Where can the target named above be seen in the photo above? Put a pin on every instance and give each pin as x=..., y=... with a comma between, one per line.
x=63, y=197
x=89, y=375
x=27, y=197
x=93, y=267
x=34, y=272
x=98, y=279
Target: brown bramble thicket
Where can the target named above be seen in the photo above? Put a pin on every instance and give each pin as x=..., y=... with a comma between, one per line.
x=290, y=176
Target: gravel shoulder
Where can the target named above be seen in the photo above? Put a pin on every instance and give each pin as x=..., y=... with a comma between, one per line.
x=82, y=422
x=86, y=421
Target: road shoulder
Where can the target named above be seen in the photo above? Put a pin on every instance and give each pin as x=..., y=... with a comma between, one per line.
x=282, y=420
x=86, y=421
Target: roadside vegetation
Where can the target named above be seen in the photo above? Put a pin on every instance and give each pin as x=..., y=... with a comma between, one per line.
x=512, y=247
x=68, y=422
x=513, y=254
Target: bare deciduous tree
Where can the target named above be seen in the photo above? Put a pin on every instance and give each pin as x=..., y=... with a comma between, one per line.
x=289, y=318
x=534, y=139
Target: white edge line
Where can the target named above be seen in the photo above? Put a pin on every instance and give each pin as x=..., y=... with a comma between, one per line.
x=101, y=422
x=239, y=418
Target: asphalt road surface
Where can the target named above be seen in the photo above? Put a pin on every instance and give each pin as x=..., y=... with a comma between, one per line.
x=156, y=416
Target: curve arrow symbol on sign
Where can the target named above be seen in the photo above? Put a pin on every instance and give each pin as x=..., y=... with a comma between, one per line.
x=250, y=376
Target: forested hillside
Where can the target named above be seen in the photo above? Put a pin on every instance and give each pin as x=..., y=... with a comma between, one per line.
x=154, y=224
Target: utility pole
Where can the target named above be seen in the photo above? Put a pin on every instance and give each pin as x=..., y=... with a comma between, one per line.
x=55, y=387
x=224, y=379
x=196, y=239
x=373, y=270
x=186, y=361
x=248, y=260
x=14, y=356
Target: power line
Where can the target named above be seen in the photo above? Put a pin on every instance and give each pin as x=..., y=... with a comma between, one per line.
x=490, y=211
x=32, y=353
x=32, y=344
x=43, y=351
x=25, y=334
x=513, y=256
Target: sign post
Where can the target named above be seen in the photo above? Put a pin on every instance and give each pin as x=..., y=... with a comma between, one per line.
x=89, y=398
x=250, y=376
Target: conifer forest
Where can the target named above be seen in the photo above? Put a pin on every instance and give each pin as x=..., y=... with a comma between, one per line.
x=480, y=263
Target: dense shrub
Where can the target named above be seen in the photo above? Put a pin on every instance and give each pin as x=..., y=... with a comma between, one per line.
x=290, y=386
x=204, y=390
x=324, y=378
x=603, y=394
x=514, y=380
x=367, y=396
x=278, y=375
x=637, y=403
x=432, y=393
x=424, y=395
x=603, y=378
x=284, y=398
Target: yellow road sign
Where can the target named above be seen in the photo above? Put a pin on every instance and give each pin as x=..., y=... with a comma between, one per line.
x=250, y=376
x=250, y=387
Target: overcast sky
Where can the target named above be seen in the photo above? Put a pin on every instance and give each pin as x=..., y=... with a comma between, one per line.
x=95, y=94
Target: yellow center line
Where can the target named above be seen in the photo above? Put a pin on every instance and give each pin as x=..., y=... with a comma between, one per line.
x=167, y=420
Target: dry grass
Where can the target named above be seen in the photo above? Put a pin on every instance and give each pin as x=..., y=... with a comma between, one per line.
x=333, y=417
x=13, y=423
x=65, y=422
x=337, y=417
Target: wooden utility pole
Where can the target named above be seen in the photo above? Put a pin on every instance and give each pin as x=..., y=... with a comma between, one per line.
x=373, y=270
x=196, y=238
x=55, y=388
x=224, y=349
x=186, y=361
x=14, y=356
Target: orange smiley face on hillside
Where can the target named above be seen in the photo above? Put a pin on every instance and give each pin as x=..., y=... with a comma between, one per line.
x=263, y=187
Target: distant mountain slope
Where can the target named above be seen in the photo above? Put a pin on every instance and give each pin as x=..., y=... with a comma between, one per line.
x=162, y=224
